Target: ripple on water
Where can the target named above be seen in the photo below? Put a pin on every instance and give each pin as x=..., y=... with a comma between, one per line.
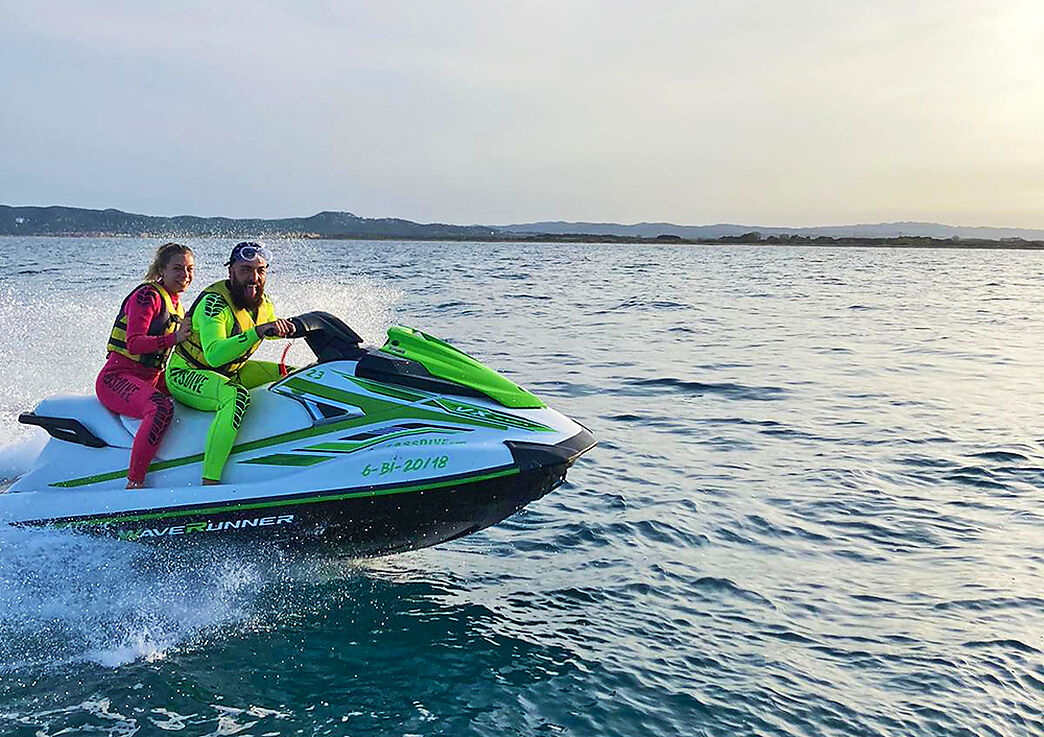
x=651, y=304
x=728, y=390
x=1001, y=456
x=1003, y=645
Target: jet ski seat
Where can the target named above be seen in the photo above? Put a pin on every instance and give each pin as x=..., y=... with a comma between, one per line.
x=79, y=419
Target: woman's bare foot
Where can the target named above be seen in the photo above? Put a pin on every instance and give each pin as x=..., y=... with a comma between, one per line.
x=135, y=484
x=210, y=482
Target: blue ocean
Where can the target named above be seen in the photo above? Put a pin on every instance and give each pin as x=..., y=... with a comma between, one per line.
x=814, y=509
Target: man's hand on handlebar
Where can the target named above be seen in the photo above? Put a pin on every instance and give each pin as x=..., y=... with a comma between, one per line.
x=277, y=328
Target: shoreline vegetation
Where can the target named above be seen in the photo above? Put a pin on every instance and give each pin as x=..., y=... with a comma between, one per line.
x=69, y=222
x=579, y=238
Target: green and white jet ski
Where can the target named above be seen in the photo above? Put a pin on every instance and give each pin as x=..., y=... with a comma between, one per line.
x=367, y=451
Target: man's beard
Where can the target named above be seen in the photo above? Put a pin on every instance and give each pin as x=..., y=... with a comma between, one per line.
x=240, y=299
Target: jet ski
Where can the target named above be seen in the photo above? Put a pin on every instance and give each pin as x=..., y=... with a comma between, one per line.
x=367, y=451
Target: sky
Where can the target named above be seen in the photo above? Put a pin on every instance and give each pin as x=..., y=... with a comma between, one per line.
x=770, y=112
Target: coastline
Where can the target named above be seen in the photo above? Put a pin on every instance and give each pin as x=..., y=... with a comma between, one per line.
x=918, y=242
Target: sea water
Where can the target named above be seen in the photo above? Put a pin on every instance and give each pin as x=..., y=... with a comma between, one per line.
x=815, y=508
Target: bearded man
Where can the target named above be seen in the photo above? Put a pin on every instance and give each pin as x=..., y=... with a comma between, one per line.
x=211, y=370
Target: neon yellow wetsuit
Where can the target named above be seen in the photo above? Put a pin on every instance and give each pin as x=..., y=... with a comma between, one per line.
x=211, y=370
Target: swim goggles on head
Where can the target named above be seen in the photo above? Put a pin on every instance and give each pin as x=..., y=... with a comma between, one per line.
x=248, y=251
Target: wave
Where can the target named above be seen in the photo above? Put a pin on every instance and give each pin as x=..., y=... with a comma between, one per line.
x=726, y=389
x=636, y=303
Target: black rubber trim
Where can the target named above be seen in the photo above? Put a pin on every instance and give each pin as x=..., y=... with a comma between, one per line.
x=529, y=456
x=64, y=428
x=328, y=411
x=328, y=337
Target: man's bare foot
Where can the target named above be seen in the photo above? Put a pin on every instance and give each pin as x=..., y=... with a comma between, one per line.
x=210, y=482
x=135, y=484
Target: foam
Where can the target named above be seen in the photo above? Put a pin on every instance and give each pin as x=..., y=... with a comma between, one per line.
x=17, y=458
x=67, y=598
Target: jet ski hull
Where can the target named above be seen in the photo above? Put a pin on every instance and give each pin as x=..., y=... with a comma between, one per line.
x=365, y=452
x=357, y=522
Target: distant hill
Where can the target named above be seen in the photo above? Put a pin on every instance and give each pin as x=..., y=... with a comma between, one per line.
x=76, y=221
x=721, y=230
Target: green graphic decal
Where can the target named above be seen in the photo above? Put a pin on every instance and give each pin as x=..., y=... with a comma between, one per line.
x=288, y=459
x=460, y=412
x=350, y=446
x=450, y=405
x=376, y=410
x=476, y=413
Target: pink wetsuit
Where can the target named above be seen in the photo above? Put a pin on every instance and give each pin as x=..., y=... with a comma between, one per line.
x=128, y=388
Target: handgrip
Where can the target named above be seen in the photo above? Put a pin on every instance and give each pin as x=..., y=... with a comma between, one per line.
x=299, y=329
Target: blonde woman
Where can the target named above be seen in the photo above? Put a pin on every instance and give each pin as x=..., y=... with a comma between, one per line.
x=147, y=327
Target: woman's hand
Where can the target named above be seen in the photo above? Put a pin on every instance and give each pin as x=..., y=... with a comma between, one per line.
x=184, y=331
x=277, y=328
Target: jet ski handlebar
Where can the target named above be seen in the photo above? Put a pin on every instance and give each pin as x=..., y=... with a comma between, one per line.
x=328, y=337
